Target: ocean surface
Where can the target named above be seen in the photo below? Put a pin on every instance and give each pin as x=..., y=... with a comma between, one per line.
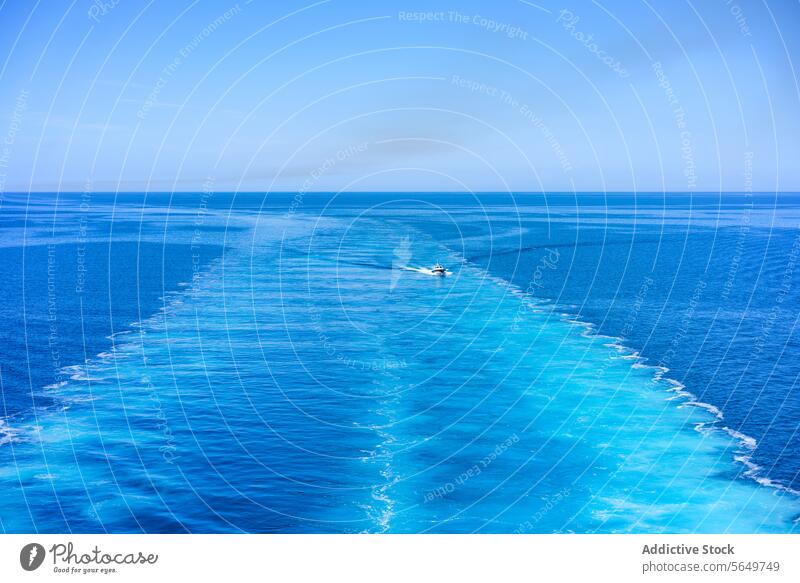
x=214, y=362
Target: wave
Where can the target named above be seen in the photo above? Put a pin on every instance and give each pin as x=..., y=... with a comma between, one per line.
x=747, y=444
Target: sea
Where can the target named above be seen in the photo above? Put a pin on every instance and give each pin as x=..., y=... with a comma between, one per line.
x=287, y=363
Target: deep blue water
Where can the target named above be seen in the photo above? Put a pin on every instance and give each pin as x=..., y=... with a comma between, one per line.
x=282, y=363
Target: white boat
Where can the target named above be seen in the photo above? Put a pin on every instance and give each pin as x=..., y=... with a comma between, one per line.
x=438, y=269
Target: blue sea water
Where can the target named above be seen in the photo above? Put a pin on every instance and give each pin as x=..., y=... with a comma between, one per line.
x=283, y=363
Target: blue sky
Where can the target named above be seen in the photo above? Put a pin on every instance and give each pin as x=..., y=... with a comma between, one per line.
x=330, y=95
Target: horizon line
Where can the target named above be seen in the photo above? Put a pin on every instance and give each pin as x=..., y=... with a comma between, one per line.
x=459, y=192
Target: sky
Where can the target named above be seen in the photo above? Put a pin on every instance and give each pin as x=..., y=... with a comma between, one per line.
x=330, y=95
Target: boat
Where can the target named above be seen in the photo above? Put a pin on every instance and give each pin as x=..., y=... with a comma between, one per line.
x=438, y=269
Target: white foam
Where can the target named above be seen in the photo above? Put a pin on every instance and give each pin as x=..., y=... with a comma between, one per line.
x=705, y=406
x=7, y=433
x=84, y=377
x=55, y=385
x=747, y=441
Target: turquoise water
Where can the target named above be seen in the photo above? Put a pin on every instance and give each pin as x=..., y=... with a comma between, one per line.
x=310, y=376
